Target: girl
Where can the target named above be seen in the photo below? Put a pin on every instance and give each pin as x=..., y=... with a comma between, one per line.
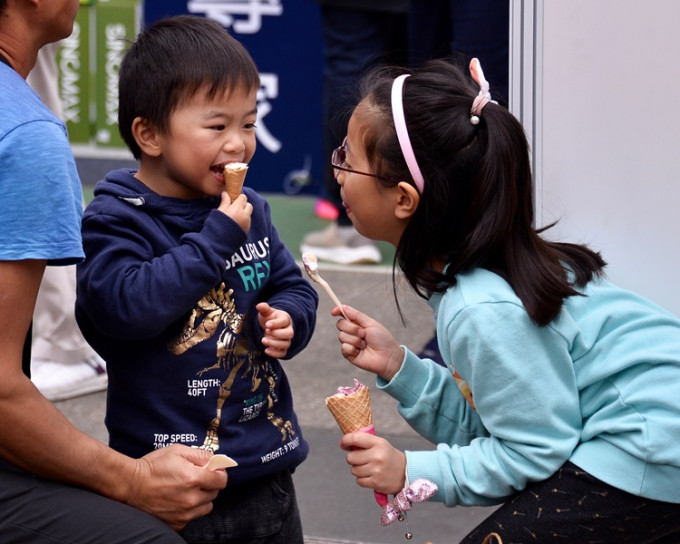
x=560, y=399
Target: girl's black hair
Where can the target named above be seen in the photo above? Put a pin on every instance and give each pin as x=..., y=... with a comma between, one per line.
x=477, y=207
x=169, y=62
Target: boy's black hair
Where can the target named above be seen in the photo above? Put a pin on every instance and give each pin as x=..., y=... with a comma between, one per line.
x=477, y=206
x=169, y=62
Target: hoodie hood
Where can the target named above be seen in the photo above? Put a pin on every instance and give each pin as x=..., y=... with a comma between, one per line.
x=122, y=185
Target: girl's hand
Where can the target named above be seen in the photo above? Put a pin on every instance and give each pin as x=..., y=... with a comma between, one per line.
x=278, y=329
x=367, y=344
x=240, y=210
x=376, y=464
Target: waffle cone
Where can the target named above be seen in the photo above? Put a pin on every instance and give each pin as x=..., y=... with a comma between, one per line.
x=352, y=412
x=234, y=176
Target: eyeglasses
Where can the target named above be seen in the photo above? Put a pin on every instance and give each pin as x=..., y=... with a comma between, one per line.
x=338, y=159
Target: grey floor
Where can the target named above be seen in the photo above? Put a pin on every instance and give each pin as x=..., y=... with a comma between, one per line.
x=333, y=508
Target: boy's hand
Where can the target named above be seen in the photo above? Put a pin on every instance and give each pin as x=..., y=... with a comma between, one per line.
x=170, y=484
x=278, y=330
x=367, y=344
x=240, y=210
x=376, y=464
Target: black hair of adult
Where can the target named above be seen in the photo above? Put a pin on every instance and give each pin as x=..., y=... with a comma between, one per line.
x=172, y=60
x=477, y=206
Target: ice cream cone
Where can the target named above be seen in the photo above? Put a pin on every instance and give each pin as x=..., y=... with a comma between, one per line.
x=351, y=408
x=234, y=176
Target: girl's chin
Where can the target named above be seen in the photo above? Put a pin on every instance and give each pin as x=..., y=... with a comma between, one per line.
x=354, y=224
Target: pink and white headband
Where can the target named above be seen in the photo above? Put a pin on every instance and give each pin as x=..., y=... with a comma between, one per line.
x=481, y=100
x=402, y=132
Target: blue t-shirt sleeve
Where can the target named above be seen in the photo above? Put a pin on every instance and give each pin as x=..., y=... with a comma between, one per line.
x=42, y=195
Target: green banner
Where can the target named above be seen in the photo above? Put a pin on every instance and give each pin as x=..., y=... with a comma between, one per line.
x=117, y=24
x=73, y=61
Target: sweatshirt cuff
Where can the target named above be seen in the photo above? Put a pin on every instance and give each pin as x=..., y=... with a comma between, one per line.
x=425, y=464
x=409, y=380
x=223, y=233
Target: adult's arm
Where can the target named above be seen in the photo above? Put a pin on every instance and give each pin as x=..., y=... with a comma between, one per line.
x=36, y=437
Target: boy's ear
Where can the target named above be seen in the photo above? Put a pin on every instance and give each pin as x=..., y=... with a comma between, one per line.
x=146, y=137
x=407, y=200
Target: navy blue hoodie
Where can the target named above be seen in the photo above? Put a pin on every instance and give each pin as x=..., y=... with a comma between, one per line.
x=167, y=295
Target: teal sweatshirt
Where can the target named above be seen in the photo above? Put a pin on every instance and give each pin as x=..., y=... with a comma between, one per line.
x=599, y=386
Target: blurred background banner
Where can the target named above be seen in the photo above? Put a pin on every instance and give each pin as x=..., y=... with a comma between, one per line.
x=284, y=39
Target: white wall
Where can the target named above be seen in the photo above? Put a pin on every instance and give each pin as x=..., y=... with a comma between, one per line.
x=597, y=85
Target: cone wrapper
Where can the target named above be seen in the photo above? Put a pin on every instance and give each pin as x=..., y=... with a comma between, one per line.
x=234, y=176
x=351, y=408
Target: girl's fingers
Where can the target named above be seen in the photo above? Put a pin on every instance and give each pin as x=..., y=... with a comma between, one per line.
x=351, y=340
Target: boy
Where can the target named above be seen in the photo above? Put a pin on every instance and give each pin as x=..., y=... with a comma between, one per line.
x=191, y=297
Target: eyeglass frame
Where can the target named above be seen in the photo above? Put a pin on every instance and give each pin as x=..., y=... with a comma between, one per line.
x=341, y=151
